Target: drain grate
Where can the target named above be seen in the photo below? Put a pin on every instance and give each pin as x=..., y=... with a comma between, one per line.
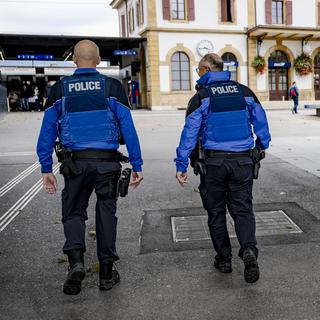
x=180, y=229
x=268, y=223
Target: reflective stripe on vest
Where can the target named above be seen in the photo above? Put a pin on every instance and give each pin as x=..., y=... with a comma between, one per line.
x=228, y=118
x=86, y=115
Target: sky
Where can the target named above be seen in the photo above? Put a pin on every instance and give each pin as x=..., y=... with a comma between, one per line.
x=58, y=17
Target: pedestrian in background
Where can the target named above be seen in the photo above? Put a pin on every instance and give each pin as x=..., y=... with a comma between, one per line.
x=294, y=95
x=224, y=115
x=25, y=95
x=89, y=116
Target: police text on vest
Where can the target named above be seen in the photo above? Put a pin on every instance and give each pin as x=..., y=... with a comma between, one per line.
x=84, y=86
x=225, y=89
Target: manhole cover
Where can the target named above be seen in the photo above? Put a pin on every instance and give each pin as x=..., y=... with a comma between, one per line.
x=268, y=223
x=178, y=229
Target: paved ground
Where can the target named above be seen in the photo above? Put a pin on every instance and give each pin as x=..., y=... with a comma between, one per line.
x=179, y=284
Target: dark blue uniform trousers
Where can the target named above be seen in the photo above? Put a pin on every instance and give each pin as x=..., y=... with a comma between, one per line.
x=228, y=184
x=102, y=177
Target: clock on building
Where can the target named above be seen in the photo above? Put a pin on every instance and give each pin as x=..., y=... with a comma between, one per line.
x=204, y=47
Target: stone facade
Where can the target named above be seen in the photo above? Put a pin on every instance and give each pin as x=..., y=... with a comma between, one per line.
x=249, y=29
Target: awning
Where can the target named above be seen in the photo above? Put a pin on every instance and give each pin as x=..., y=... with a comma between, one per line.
x=284, y=33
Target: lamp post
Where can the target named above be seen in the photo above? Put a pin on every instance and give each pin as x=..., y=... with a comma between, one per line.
x=259, y=43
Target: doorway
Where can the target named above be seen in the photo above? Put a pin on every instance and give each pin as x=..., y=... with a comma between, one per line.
x=316, y=80
x=278, y=76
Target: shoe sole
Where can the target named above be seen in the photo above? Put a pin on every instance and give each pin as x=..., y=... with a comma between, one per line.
x=106, y=285
x=73, y=283
x=251, y=270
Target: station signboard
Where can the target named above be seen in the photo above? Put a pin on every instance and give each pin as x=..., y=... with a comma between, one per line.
x=125, y=52
x=28, y=56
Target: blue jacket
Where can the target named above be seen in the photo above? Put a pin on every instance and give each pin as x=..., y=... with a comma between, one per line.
x=117, y=115
x=196, y=123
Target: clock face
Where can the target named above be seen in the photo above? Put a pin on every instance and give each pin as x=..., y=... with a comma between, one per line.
x=205, y=47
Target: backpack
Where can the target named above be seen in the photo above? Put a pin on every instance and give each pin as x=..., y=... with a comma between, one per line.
x=293, y=93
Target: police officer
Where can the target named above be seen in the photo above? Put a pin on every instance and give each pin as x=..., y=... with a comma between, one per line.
x=224, y=114
x=89, y=115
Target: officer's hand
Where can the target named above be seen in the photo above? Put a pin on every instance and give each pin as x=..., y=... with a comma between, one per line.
x=49, y=183
x=182, y=177
x=137, y=177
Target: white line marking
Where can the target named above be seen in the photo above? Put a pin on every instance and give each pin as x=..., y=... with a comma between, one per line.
x=18, y=153
x=11, y=184
x=20, y=201
x=16, y=209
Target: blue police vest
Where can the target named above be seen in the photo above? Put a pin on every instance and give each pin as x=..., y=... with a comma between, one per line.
x=86, y=116
x=228, y=117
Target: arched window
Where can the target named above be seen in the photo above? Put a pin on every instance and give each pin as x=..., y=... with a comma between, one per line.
x=278, y=56
x=180, y=72
x=317, y=60
x=230, y=63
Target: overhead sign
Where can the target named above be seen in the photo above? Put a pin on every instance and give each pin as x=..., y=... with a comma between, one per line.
x=231, y=64
x=273, y=65
x=35, y=56
x=17, y=71
x=125, y=52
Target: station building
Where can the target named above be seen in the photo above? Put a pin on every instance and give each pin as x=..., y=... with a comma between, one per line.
x=180, y=32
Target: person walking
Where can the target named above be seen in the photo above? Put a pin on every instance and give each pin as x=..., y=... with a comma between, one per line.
x=224, y=114
x=294, y=95
x=25, y=95
x=90, y=116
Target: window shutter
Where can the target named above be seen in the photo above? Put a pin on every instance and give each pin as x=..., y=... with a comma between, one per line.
x=142, y=12
x=123, y=25
x=268, y=7
x=191, y=9
x=224, y=11
x=166, y=9
x=138, y=13
x=288, y=12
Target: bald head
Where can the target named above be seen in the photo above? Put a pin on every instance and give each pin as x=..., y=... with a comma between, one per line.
x=86, y=54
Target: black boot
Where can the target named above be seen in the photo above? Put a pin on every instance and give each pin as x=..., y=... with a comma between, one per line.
x=251, y=267
x=76, y=273
x=107, y=276
x=223, y=265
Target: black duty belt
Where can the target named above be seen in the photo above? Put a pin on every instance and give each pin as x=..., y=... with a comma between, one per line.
x=226, y=154
x=101, y=155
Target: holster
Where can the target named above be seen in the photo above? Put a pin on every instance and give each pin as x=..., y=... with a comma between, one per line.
x=123, y=183
x=197, y=159
x=69, y=169
x=256, y=156
x=64, y=155
x=198, y=165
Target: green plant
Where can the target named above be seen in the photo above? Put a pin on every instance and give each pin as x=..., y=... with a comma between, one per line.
x=259, y=64
x=303, y=64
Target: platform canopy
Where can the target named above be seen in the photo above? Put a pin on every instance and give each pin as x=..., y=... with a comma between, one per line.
x=59, y=47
